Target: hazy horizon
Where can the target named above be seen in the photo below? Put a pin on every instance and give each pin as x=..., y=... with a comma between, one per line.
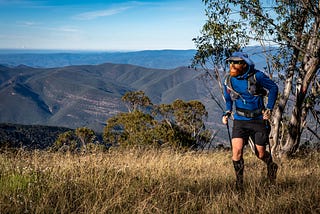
x=17, y=50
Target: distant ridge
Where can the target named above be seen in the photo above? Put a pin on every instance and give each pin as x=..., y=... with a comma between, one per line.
x=164, y=59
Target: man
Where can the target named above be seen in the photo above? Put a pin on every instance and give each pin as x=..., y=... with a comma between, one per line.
x=245, y=87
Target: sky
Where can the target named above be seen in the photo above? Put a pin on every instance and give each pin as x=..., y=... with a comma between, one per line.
x=108, y=25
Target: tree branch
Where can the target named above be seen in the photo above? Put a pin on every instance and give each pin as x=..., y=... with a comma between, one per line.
x=313, y=132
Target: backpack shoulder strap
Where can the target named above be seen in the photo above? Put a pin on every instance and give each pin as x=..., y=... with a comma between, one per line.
x=252, y=78
x=227, y=82
x=233, y=93
x=254, y=87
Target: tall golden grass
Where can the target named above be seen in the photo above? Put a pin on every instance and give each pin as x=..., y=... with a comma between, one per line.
x=153, y=181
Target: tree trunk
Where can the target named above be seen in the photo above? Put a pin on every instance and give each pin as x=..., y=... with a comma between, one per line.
x=275, y=129
x=307, y=73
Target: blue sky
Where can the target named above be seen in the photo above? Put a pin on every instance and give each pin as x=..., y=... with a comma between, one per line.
x=100, y=24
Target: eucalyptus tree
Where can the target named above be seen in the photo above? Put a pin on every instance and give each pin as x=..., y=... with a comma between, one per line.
x=179, y=125
x=292, y=27
x=129, y=129
x=66, y=141
x=186, y=118
x=190, y=115
x=85, y=135
x=135, y=100
x=76, y=140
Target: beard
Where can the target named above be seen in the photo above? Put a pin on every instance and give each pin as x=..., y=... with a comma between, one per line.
x=236, y=71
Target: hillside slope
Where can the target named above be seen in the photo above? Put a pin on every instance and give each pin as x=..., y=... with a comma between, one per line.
x=88, y=95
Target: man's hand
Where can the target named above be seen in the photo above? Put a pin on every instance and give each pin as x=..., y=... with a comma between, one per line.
x=266, y=114
x=225, y=117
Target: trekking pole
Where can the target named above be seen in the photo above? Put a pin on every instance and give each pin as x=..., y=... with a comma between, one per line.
x=228, y=114
x=229, y=135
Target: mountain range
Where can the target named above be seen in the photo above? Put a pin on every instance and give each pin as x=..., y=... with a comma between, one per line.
x=83, y=89
x=87, y=95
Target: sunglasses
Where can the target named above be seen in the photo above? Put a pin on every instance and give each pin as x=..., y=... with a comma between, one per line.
x=236, y=62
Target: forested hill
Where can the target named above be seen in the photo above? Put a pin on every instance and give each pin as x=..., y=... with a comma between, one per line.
x=29, y=136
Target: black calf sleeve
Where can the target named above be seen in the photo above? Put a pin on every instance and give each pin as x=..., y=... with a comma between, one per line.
x=238, y=167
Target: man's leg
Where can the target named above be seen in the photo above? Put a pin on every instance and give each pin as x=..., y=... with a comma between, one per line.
x=266, y=157
x=237, y=159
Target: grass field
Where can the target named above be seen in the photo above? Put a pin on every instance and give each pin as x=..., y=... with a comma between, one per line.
x=153, y=181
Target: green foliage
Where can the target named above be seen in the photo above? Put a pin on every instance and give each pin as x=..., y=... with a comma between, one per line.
x=189, y=115
x=135, y=100
x=82, y=139
x=221, y=35
x=14, y=182
x=178, y=125
x=66, y=141
x=85, y=135
x=133, y=128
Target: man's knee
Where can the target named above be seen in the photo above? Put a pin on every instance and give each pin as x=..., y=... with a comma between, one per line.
x=261, y=152
x=236, y=154
x=237, y=147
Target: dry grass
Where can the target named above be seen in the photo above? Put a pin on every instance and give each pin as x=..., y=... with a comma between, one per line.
x=153, y=181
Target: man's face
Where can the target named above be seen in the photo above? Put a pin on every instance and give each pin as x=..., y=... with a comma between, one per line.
x=237, y=68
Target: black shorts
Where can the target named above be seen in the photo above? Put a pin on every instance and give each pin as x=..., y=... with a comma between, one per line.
x=256, y=129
